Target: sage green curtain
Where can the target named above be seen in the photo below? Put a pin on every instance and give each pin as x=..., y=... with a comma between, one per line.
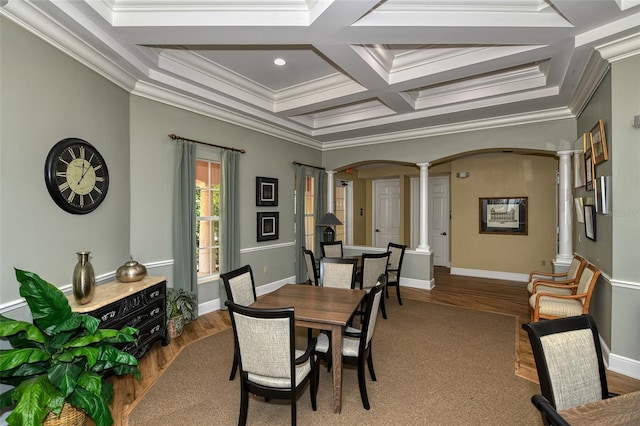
x=184, y=218
x=319, y=210
x=229, y=220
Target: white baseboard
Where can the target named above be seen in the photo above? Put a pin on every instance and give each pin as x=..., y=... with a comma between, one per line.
x=623, y=365
x=415, y=283
x=498, y=275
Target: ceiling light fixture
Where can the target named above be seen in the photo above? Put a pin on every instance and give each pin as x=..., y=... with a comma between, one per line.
x=279, y=62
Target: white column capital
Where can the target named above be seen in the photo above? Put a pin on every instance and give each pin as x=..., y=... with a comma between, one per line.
x=568, y=152
x=421, y=165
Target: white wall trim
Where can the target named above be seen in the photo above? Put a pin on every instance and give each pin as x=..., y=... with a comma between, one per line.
x=267, y=247
x=214, y=305
x=509, y=276
x=415, y=283
x=623, y=365
x=625, y=284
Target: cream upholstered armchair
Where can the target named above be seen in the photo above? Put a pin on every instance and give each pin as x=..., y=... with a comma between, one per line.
x=270, y=364
x=569, y=362
x=312, y=270
x=331, y=249
x=338, y=272
x=356, y=343
x=550, y=305
x=241, y=289
x=538, y=281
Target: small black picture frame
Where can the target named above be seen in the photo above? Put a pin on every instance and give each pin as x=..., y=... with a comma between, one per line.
x=267, y=225
x=590, y=221
x=266, y=191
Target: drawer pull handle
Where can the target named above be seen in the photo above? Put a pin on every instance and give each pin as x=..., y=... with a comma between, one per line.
x=154, y=312
x=155, y=329
x=154, y=294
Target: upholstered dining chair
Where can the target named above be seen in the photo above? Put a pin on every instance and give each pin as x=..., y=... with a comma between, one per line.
x=570, y=367
x=241, y=289
x=374, y=265
x=539, y=281
x=551, y=305
x=356, y=343
x=338, y=272
x=312, y=269
x=270, y=364
x=396, y=256
x=331, y=249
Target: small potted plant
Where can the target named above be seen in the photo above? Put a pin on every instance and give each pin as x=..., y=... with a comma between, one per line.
x=182, y=307
x=60, y=360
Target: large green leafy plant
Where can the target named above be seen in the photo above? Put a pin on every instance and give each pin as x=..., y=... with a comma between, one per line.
x=61, y=357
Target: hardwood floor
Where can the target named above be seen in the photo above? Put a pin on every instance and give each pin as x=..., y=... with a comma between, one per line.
x=506, y=297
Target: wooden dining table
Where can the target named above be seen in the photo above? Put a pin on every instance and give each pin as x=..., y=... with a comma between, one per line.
x=320, y=308
x=615, y=411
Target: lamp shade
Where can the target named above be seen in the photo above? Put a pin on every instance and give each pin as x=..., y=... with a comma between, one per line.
x=329, y=219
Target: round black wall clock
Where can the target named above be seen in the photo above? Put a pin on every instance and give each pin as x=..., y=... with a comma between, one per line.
x=76, y=175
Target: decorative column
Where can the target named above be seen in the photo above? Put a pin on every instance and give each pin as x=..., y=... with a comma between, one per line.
x=424, y=207
x=330, y=189
x=565, y=212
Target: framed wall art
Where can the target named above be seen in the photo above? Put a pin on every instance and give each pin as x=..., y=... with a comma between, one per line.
x=598, y=143
x=579, y=204
x=578, y=161
x=266, y=191
x=590, y=221
x=588, y=170
x=267, y=225
x=503, y=215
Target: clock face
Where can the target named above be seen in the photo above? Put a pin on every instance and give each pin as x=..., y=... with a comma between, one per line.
x=76, y=175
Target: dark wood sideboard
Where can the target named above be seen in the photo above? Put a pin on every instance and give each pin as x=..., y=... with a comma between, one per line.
x=141, y=304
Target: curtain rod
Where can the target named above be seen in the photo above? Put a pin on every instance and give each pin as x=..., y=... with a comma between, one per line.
x=174, y=137
x=308, y=165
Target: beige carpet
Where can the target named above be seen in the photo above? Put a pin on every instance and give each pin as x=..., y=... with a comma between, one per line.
x=435, y=364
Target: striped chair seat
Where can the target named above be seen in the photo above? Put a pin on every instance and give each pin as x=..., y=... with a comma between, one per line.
x=554, y=307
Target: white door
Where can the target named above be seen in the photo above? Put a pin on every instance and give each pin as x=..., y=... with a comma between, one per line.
x=439, y=219
x=386, y=212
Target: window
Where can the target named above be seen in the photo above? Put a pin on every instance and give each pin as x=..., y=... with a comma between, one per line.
x=340, y=213
x=309, y=219
x=207, y=219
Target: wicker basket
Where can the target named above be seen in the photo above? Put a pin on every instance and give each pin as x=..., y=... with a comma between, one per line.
x=175, y=325
x=69, y=416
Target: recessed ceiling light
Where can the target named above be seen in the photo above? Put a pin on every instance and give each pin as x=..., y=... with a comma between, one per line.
x=279, y=62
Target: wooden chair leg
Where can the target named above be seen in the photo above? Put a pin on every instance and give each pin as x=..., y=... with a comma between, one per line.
x=234, y=366
x=398, y=293
x=362, y=384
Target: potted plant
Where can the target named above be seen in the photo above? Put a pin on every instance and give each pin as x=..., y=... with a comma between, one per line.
x=61, y=359
x=182, y=306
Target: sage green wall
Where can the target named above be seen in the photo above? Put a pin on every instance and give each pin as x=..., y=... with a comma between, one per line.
x=625, y=229
x=152, y=174
x=47, y=96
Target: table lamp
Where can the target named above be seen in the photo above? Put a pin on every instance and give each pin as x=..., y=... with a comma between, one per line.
x=329, y=220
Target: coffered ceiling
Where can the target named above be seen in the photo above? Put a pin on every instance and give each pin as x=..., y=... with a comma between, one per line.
x=357, y=71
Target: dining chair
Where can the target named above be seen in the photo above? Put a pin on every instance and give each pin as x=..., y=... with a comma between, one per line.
x=331, y=249
x=241, y=289
x=569, y=362
x=552, y=305
x=338, y=272
x=539, y=281
x=396, y=256
x=270, y=364
x=356, y=343
x=374, y=265
x=312, y=270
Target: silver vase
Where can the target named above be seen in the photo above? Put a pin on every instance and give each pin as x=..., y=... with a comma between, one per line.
x=84, y=279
